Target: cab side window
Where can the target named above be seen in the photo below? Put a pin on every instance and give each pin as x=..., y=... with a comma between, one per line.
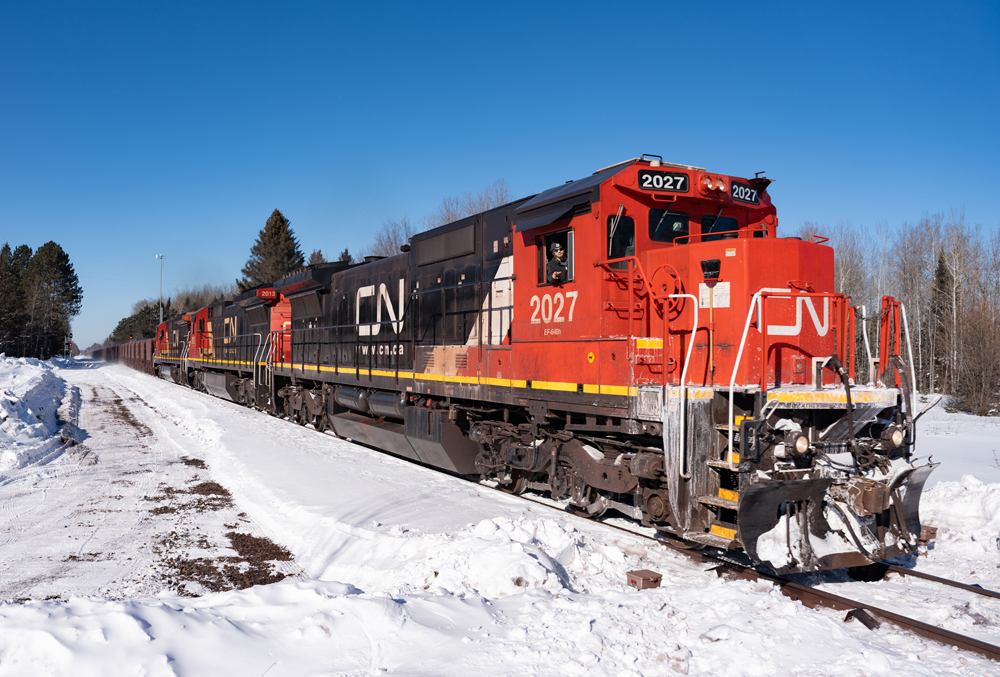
x=621, y=239
x=718, y=228
x=555, y=257
x=668, y=226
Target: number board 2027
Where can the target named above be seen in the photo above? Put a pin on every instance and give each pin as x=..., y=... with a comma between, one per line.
x=745, y=193
x=663, y=181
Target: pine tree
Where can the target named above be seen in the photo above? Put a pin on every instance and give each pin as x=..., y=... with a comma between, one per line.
x=274, y=255
x=52, y=297
x=11, y=303
x=14, y=295
x=345, y=256
x=140, y=325
x=316, y=258
x=941, y=313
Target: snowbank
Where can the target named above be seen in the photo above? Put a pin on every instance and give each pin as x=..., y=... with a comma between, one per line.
x=967, y=515
x=31, y=393
x=411, y=572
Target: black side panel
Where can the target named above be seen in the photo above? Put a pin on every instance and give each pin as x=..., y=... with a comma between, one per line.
x=234, y=344
x=459, y=242
x=377, y=433
x=366, y=320
x=221, y=385
x=439, y=442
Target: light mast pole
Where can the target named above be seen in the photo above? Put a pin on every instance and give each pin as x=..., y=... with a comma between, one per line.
x=160, y=257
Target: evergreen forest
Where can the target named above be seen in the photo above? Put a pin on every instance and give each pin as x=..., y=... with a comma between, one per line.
x=39, y=295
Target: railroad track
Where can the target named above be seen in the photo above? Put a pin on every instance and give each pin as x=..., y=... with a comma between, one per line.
x=869, y=615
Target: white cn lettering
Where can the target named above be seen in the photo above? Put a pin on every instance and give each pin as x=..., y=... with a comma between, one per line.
x=383, y=295
x=363, y=329
x=796, y=329
x=395, y=318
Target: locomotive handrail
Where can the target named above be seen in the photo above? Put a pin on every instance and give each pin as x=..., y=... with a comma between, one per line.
x=757, y=302
x=638, y=267
x=631, y=261
x=256, y=355
x=868, y=348
x=687, y=362
x=841, y=329
x=909, y=350
x=430, y=290
x=732, y=381
x=741, y=234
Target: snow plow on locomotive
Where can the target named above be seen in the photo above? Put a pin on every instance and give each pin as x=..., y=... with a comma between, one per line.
x=638, y=340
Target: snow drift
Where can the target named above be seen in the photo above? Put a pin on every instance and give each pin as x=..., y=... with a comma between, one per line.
x=31, y=393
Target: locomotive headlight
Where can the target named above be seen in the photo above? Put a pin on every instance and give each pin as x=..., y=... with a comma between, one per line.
x=720, y=185
x=893, y=436
x=796, y=442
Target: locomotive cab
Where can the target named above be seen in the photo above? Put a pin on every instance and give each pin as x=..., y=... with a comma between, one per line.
x=731, y=344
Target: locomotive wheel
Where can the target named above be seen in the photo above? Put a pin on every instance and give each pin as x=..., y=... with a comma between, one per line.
x=584, y=498
x=656, y=507
x=321, y=423
x=518, y=483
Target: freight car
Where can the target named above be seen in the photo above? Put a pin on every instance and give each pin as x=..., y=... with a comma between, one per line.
x=639, y=340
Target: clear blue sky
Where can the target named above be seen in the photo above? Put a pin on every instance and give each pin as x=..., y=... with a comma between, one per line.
x=130, y=129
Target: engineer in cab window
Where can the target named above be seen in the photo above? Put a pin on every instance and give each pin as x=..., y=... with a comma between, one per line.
x=556, y=270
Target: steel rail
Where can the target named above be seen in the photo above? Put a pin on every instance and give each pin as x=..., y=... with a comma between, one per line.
x=979, y=590
x=813, y=597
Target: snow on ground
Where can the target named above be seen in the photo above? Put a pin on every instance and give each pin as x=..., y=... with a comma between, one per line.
x=30, y=396
x=397, y=569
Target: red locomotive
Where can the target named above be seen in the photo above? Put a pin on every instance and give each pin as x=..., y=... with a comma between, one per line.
x=639, y=340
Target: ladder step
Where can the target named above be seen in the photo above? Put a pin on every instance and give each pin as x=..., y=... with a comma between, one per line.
x=722, y=465
x=719, y=502
x=709, y=539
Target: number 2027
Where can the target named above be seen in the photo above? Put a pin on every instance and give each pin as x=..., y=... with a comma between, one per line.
x=664, y=181
x=744, y=193
x=551, y=308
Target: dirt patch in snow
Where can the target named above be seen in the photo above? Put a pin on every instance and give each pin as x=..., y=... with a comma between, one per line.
x=121, y=413
x=189, y=562
x=253, y=565
x=216, y=497
x=257, y=549
x=209, y=489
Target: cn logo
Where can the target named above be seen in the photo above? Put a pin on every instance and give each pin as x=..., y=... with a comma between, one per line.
x=796, y=329
x=383, y=298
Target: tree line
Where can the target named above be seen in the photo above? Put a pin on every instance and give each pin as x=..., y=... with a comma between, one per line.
x=276, y=254
x=947, y=274
x=39, y=294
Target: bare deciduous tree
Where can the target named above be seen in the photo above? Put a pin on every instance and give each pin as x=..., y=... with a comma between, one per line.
x=393, y=234
x=947, y=274
x=454, y=208
x=390, y=237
